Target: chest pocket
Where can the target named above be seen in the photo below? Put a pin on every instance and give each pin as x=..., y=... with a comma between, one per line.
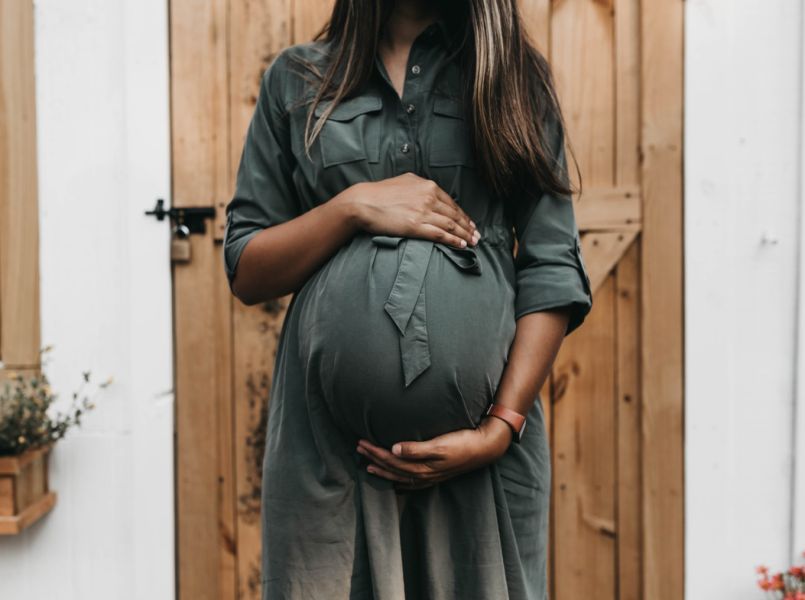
x=450, y=143
x=352, y=131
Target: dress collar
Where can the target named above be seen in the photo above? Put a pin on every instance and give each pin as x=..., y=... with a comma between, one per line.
x=442, y=30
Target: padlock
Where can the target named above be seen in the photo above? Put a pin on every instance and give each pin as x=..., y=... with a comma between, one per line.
x=180, y=243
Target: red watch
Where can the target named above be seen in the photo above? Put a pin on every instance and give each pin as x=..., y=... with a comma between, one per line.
x=515, y=420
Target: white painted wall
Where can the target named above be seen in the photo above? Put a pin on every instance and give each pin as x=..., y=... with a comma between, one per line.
x=743, y=270
x=103, y=136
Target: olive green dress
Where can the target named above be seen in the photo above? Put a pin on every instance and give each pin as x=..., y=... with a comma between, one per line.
x=399, y=339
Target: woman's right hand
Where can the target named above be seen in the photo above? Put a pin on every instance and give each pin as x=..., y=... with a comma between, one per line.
x=411, y=206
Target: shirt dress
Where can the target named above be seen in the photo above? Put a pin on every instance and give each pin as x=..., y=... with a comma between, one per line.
x=399, y=339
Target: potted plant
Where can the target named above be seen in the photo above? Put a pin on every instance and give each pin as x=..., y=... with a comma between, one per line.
x=785, y=585
x=29, y=427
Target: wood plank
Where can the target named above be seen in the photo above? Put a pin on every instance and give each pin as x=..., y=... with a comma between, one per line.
x=629, y=509
x=201, y=177
x=662, y=299
x=609, y=209
x=627, y=92
x=14, y=525
x=259, y=29
x=206, y=566
x=582, y=50
x=536, y=15
x=229, y=536
x=7, y=374
x=308, y=18
x=602, y=251
x=584, y=457
x=33, y=483
x=257, y=332
x=19, y=216
x=14, y=465
x=7, y=503
x=200, y=111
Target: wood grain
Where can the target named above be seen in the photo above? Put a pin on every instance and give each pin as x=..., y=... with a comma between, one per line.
x=201, y=177
x=308, y=18
x=536, y=15
x=608, y=209
x=629, y=511
x=582, y=50
x=603, y=251
x=627, y=92
x=662, y=298
x=19, y=216
x=584, y=458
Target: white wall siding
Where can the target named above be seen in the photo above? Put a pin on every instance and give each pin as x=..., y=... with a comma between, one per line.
x=798, y=505
x=103, y=144
x=742, y=194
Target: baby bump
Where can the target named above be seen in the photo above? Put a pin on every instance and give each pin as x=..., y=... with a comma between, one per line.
x=406, y=339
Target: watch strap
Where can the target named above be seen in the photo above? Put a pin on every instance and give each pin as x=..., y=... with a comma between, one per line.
x=515, y=420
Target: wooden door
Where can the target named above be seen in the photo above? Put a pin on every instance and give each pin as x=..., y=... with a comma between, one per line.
x=614, y=400
x=615, y=394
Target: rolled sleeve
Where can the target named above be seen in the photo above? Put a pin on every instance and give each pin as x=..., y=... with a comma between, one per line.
x=550, y=271
x=264, y=191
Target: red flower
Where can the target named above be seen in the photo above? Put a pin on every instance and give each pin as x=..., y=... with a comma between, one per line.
x=777, y=582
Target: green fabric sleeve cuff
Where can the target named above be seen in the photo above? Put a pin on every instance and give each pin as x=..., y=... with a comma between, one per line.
x=233, y=248
x=550, y=286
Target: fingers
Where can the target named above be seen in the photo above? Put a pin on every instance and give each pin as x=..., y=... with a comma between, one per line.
x=410, y=469
x=455, y=211
x=446, y=214
x=439, y=234
x=445, y=218
x=392, y=464
x=405, y=481
x=418, y=451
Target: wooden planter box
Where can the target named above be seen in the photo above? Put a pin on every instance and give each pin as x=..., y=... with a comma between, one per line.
x=24, y=493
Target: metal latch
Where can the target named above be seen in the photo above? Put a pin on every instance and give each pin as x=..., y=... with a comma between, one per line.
x=187, y=220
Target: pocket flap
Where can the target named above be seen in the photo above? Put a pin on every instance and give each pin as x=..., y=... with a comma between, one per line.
x=350, y=108
x=450, y=107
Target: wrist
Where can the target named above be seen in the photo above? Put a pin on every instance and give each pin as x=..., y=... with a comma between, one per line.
x=498, y=434
x=349, y=202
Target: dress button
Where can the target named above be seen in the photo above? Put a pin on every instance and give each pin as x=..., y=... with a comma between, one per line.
x=415, y=69
x=410, y=108
x=404, y=149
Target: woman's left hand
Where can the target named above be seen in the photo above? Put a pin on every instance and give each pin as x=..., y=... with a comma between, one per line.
x=416, y=465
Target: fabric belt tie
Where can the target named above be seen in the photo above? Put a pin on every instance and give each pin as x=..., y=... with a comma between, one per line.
x=406, y=300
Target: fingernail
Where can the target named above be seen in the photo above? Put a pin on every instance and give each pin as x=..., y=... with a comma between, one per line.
x=474, y=226
x=463, y=243
x=396, y=449
x=370, y=469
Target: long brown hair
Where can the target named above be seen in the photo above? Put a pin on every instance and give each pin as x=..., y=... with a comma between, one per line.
x=513, y=101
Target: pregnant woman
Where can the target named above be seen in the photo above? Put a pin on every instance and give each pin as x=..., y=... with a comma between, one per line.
x=389, y=168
